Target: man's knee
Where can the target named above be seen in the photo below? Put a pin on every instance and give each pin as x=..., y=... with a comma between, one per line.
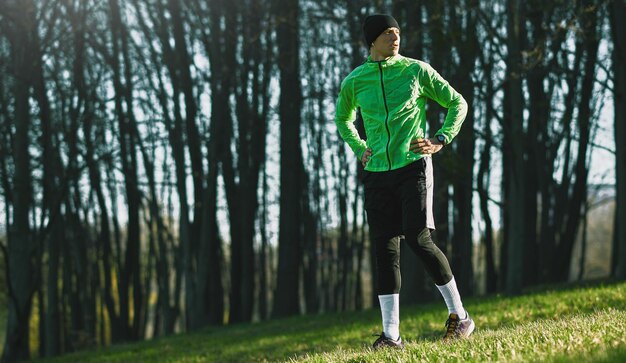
x=420, y=240
x=388, y=253
x=388, y=265
x=434, y=260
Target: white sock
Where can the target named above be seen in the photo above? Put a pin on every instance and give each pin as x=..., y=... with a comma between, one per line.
x=452, y=297
x=390, y=309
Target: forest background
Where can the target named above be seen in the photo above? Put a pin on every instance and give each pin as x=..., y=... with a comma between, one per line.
x=171, y=164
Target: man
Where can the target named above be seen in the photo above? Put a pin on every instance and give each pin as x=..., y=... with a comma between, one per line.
x=391, y=92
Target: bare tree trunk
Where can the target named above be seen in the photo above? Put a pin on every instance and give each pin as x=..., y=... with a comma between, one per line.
x=103, y=242
x=462, y=245
x=167, y=313
x=202, y=235
x=313, y=194
x=439, y=59
x=80, y=109
x=77, y=270
x=219, y=153
x=52, y=198
x=618, y=28
x=355, y=298
x=130, y=281
x=287, y=299
x=176, y=140
x=583, y=243
x=539, y=111
x=177, y=65
x=343, y=238
x=159, y=248
x=557, y=195
x=71, y=307
x=484, y=172
x=52, y=318
x=21, y=249
x=310, y=258
x=252, y=106
x=194, y=256
x=215, y=254
x=264, y=260
x=513, y=161
x=409, y=15
x=546, y=47
x=111, y=262
x=184, y=63
x=585, y=120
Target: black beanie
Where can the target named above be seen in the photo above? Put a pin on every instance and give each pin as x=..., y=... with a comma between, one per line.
x=374, y=25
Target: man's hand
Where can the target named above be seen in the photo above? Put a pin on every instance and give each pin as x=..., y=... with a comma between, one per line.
x=425, y=146
x=367, y=154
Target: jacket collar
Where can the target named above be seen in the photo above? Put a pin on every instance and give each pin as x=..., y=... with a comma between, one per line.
x=384, y=63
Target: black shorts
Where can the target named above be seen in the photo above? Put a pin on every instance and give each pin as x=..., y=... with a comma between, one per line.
x=400, y=199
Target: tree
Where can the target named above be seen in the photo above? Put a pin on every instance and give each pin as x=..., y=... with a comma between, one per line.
x=53, y=194
x=186, y=138
x=20, y=29
x=483, y=183
x=589, y=42
x=129, y=273
x=465, y=39
x=287, y=301
x=252, y=100
x=617, y=9
x=513, y=153
x=219, y=156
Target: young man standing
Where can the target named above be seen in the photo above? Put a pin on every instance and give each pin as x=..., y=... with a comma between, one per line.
x=391, y=92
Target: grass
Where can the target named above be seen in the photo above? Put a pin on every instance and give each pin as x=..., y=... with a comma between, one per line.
x=578, y=324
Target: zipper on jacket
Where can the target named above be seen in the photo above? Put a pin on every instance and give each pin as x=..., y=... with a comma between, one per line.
x=382, y=85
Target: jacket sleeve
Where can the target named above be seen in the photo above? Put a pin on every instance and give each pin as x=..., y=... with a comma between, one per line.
x=345, y=114
x=439, y=90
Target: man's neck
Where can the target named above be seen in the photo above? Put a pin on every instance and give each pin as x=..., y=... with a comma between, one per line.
x=376, y=57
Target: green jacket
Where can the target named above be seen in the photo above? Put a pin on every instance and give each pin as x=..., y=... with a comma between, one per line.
x=392, y=97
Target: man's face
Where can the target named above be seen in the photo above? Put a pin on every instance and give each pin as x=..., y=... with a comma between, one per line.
x=387, y=44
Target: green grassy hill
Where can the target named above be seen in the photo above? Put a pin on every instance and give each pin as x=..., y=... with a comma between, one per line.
x=576, y=324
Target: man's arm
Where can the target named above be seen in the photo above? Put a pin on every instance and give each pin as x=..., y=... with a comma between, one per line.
x=345, y=114
x=439, y=90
